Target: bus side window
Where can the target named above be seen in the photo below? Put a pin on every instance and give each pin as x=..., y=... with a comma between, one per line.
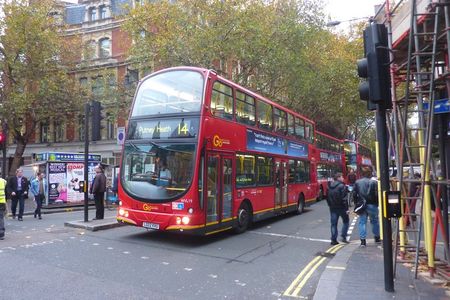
x=264, y=115
x=245, y=170
x=299, y=128
x=222, y=101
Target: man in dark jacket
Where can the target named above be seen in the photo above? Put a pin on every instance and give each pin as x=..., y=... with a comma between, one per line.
x=17, y=188
x=337, y=201
x=98, y=188
x=366, y=190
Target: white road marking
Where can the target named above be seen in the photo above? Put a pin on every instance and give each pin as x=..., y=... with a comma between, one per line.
x=351, y=227
x=188, y=269
x=165, y=263
x=126, y=252
x=212, y=275
x=335, y=267
x=145, y=257
x=289, y=236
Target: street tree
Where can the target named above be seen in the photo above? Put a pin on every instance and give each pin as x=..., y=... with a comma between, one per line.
x=35, y=60
x=280, y=49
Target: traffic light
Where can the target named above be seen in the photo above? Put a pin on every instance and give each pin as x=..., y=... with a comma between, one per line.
x=374, y=67
x=96, y=120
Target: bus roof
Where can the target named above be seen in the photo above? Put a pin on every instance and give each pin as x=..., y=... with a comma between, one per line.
x=213, y=73
x=328, y=136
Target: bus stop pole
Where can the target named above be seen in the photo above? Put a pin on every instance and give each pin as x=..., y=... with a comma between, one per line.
x=87, y=108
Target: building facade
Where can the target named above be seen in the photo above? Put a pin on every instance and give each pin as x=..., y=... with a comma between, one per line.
x=103, y=61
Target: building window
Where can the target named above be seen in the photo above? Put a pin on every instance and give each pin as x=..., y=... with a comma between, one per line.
x=83, y=81
x=103, y=12
x=98, y=86
x=92, y=14
x=45, y=130
x=110, y=128
x=90, y=50
x=105, y=48
x=59, y=128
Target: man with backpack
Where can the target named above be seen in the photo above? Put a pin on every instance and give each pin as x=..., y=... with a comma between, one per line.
x=337, y=201
x=366, y=205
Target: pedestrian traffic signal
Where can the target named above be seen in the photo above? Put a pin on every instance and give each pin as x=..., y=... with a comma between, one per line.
x=374, y=68
x=96, y=120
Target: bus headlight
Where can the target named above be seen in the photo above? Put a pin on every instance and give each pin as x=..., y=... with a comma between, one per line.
x=122, y=212
x=185, y=220
x=178, y=220
x=120, y=203
x=191, y=210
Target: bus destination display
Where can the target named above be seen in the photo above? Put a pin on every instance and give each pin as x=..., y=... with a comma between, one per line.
x=163, y=129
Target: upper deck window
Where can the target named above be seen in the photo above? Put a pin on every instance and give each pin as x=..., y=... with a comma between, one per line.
x=299, y=128
x=264, y=113
x=245, y=108
x=279, y=120
x=222, y=101
x=169, y=92
x=291, y=125
x=309, y=132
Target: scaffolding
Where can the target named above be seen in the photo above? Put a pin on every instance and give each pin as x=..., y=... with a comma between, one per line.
x=419, y=129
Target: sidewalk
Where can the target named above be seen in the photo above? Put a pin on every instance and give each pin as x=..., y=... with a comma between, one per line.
x=358, y=273
x=93, y=225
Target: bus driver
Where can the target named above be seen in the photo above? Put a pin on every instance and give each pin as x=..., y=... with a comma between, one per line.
x=165, y=177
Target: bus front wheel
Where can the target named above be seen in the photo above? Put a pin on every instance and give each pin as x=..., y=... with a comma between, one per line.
x=244, y=218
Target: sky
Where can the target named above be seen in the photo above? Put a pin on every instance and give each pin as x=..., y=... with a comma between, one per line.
x=342, y=10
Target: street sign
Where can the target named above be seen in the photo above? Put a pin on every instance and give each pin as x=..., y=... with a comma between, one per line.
x=441, y=106
x=120, y=135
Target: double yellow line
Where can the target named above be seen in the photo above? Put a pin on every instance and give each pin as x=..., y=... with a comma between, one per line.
x=296, y=286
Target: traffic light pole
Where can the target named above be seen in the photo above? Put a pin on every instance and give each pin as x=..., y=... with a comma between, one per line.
x=382, y=139
x=4, y=160
x=4, y=146
x=87, y=109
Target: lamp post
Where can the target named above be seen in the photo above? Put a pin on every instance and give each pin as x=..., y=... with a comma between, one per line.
x=336, y=23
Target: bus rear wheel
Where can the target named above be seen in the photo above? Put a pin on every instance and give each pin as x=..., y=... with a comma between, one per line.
x=244, y=218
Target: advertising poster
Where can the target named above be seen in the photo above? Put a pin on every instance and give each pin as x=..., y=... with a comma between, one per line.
x=57, y=179
x=260, y=141
x=75, y=174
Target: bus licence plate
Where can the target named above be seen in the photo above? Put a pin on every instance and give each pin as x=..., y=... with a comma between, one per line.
x=150, y=225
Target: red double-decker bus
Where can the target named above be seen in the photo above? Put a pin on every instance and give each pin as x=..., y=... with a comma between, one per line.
x=356, y=157
x=203, y=154
x=330, y=160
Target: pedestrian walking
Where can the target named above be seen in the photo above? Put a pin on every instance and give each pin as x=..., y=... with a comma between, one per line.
x=98, y=189
x=17, y=188
x=338, y=204
x=351, y=177
x=366, y=205
x=38, y=188
x=2, y=207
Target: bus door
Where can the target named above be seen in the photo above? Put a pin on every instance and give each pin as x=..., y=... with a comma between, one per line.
x=281, y=184
x=219, y=187
x=284, y=187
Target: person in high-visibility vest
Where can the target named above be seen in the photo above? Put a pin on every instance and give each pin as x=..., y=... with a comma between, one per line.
x=2, y=207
